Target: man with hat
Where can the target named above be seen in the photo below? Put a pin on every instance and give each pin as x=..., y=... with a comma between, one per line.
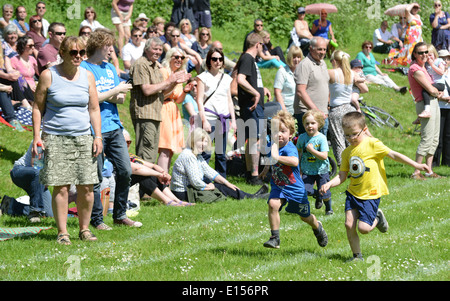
x=300, y=34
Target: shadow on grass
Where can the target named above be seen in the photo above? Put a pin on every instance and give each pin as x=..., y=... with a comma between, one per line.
x=8, y=155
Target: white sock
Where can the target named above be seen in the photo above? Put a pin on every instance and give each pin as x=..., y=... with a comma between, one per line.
x=427, y=108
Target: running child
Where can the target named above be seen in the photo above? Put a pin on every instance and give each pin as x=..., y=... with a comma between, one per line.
x=363, y=162
x=314, y=164
x=286, y=183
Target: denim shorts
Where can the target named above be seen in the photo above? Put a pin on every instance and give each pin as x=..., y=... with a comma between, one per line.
x=310, y=180
x=300, y=207
x=367, y=209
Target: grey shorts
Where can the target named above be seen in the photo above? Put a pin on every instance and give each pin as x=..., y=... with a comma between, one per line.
x=68, y=160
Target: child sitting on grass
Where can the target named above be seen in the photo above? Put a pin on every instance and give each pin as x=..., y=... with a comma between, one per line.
x=363, y=162
x=286, y=182
x=314, y=164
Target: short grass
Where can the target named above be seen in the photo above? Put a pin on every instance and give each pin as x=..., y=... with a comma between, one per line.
x=223, y=241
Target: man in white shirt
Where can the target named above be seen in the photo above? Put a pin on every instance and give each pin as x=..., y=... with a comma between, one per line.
x=383, y=40
x=133, y=50
x=40, y=11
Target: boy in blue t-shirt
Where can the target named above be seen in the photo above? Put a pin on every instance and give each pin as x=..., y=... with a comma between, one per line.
x=286, y=183
x=313, y=150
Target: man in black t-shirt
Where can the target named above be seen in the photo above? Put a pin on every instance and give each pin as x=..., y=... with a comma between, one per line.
x=251, y=94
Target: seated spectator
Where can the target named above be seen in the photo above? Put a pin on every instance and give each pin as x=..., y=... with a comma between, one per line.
x=204, y=42
x=84, y=33
x=7, y=107
x=141, y=22
x=6, y=19
x=189, y=104
x=258, y=26
x=398, y=30
x=19, y=21
x=195, y=59
x=191, y=170
x=151, y=32
x=152, y=179
x=159, y=23
x=186, y=32
x=384, y=40
x=133, y=50
x=90, y=19
x=300, y=34
x=40, y=11
x=26, y=177
x=372, y=72
x=167, y=30
x=48, y=54
x=267, y=56
x=9, y=44
x=25, y=62
x=357, y=68
x=36, y=32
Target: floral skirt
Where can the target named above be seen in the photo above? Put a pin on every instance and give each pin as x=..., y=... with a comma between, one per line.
x=68, y=160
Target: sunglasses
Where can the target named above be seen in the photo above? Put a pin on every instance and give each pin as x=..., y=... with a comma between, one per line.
x=60, y=33
x=143, y=20
x=41, y=7
x=30, y=45
x=86, y=33
x=82, y=52
x=437, y=5
x=368, y=47
x=259, y=25
x=422, y=52
x=151, y=31
x=178, y=57
x=215, y=59
x=205, y=34
x=35, y=21
x=137, y=35
x=175, y=36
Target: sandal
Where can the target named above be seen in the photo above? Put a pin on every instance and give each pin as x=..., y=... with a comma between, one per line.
x=174, y=204
x=186, y=204
x=87, y=235
x=418, y=176
x=64, y=239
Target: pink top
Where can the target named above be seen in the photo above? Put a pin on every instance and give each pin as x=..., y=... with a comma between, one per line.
x=27, y=72
x=416, y=88
x=124, y=5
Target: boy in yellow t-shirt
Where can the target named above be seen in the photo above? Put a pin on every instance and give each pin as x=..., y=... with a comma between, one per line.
x=363, y=162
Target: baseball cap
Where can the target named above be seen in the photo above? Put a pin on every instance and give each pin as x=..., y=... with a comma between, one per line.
x=355, y=63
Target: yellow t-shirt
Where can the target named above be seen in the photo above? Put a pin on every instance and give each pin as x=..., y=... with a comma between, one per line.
x=365, y=167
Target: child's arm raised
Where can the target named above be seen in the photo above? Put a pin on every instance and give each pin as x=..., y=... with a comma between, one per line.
x=396, y=156
x=286, y=160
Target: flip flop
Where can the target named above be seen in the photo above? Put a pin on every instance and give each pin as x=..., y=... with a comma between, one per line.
x=174, y=204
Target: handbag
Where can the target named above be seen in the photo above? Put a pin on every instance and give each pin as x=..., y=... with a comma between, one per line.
x=204, y=196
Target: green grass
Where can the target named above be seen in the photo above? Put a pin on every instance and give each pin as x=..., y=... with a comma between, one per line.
x=223, y=241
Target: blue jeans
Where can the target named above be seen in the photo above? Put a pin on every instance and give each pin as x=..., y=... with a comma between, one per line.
x=27, y=178
x=115, y=148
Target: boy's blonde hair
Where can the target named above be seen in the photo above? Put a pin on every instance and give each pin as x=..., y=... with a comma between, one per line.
x=318, y=116
x=287, y=119
x=352, y=118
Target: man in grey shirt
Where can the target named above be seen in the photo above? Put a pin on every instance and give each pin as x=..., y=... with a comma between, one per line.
x=311, y=78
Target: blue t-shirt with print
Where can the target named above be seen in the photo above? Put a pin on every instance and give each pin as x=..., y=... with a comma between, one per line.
x=106, y=78
x=286, y=181
x=309, y=164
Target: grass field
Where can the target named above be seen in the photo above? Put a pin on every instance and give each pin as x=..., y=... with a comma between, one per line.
x=223, y=241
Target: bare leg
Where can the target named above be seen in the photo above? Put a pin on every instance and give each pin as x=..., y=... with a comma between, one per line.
x=351, y=218
x=60, y=207
x=164, y=160
x=85, y=201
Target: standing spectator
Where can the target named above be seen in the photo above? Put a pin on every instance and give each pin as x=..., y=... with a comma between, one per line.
x=133, y=50
x=26, y=177
x=171, y=135
x=258, y=26
x=215, y=106
x=90, y=19
x=440, y=21
x=6, y=19
x=420, y=80
x=36, y=32
x=66, y=104
x=48, y=55
x=384, y=40
x=251, y=94
x=111, y=91
x=147, y=97
x=40, y=11
x=202, y=13
x=183, y=9
x=19, y=21
x=121, y=13
x=284, y=85
x=311, y=77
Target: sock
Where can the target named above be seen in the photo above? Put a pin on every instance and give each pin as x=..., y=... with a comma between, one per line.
x=427, y=108
x=357, y=255
x=275, y=233
x=327, y=204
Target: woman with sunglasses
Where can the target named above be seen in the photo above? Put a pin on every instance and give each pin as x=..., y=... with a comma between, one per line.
x=195, y=60
x=90, y=19
x=440, y=21
x=36, y=32
x=66, y=105
x=186, y=32
x=171, y=136
x=215, y=106
x=420, y=80
x=26, y=64
x=372, y=72
x=204, y=42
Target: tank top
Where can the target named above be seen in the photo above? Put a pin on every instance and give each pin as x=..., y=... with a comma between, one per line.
x=66, y=111
x=340, y=94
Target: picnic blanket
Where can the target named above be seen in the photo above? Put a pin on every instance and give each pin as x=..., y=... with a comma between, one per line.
x=22, y=114
x=9, y=233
